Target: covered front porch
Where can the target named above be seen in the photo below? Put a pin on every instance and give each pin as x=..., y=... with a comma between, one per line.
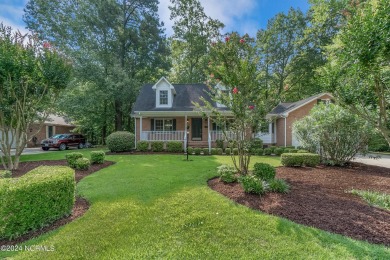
x=197, y=131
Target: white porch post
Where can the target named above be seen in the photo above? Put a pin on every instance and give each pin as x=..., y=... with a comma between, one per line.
x=185, y=133
x=285, y=131
x=135, y=132
x=275, y=132
x=208, y=134
x=140, y=127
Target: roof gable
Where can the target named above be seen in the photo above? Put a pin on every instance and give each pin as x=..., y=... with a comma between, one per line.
x=283, y=109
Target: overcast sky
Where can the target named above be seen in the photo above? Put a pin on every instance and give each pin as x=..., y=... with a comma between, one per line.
x=244, y=16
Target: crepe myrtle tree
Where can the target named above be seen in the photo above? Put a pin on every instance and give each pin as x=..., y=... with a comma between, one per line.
x=234, y=66
x=32, y=73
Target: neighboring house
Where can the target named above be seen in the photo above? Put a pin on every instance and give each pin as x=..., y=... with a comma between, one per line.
x=165, y=112
x=53, y=125
x=280, y=131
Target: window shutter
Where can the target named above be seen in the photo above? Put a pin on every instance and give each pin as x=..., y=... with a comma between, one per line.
x=174, y=124
x=151, y=124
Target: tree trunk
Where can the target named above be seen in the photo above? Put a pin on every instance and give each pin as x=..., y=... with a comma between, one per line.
x=118, y=116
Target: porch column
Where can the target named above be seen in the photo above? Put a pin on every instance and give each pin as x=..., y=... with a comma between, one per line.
x=208, y=134
x=140, y=128
x=285, y=131
x=185, y=133
x=135, y=132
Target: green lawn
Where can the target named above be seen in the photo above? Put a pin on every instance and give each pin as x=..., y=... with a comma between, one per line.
x=159, y=206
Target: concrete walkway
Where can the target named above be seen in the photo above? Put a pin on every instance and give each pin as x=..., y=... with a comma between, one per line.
x=374, y=159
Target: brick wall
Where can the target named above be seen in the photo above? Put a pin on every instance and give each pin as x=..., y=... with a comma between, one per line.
x=292, y=117
x=42, y=134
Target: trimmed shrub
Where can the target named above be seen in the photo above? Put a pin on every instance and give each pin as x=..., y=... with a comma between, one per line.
x=228, y=151
x=251, y=184
x=197, y=150
x=227, y=173
x=205, y=151
x=82, y=164
x=264, y=171
x=72, y=157
x=278, y=151
x=256, y=144
x=97, y=157
x=35, y=200
x=220, y=143
x=121, y=141
x=302, y=151
x=299, y=159
x=287, y=150
x=273, y=149
x=293, y=150
x=278, y=185
x=5, y=174
x=235, y=151
x=258, y=151
x=175, y=147
x=214, y=151
x=157, y=146
x=143, y=146
x=190, y=150
x=311, y=159
x=219, y=151
x=267, y=151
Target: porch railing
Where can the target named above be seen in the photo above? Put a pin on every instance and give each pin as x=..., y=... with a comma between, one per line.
x=266, y=137
x=218, y=135
x=162, y=135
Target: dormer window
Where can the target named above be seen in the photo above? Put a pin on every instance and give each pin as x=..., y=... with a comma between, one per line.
x=163, y=97
x=165, y=93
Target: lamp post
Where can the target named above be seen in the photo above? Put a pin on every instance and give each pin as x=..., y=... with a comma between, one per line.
x=187, y=144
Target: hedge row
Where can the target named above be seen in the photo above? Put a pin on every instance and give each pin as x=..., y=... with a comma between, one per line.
x=36, y=199
x=300, y=159
x=158, y=146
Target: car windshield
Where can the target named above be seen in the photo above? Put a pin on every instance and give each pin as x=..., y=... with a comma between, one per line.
x=62, y=136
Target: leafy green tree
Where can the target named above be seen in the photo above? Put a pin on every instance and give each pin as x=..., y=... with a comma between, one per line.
x=234, y=68
x=334, y=132
x=358, y=67
x=116, y=46
x=278, y=46
x=32, y=75
x=193, y=33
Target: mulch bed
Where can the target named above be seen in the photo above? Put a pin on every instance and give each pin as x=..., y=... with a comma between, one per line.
x=318, y=198
x=80, y=207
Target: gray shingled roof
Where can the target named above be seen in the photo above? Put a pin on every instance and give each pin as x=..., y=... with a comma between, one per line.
x=182, y=101
x=287, y=107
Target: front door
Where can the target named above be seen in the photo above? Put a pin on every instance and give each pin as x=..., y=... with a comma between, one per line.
x=196, y=129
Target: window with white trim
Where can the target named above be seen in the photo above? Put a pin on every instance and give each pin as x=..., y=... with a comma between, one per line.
x=163, y=125
x=163, y=97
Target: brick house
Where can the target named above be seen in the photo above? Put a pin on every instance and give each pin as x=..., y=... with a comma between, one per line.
x=282, y=117
x=53, y=125
x=165, y=112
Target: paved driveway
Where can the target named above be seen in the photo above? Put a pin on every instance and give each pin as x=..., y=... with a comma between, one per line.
x=374, y=159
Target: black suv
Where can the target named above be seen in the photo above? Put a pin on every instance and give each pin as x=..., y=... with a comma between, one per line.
x=63, y=142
